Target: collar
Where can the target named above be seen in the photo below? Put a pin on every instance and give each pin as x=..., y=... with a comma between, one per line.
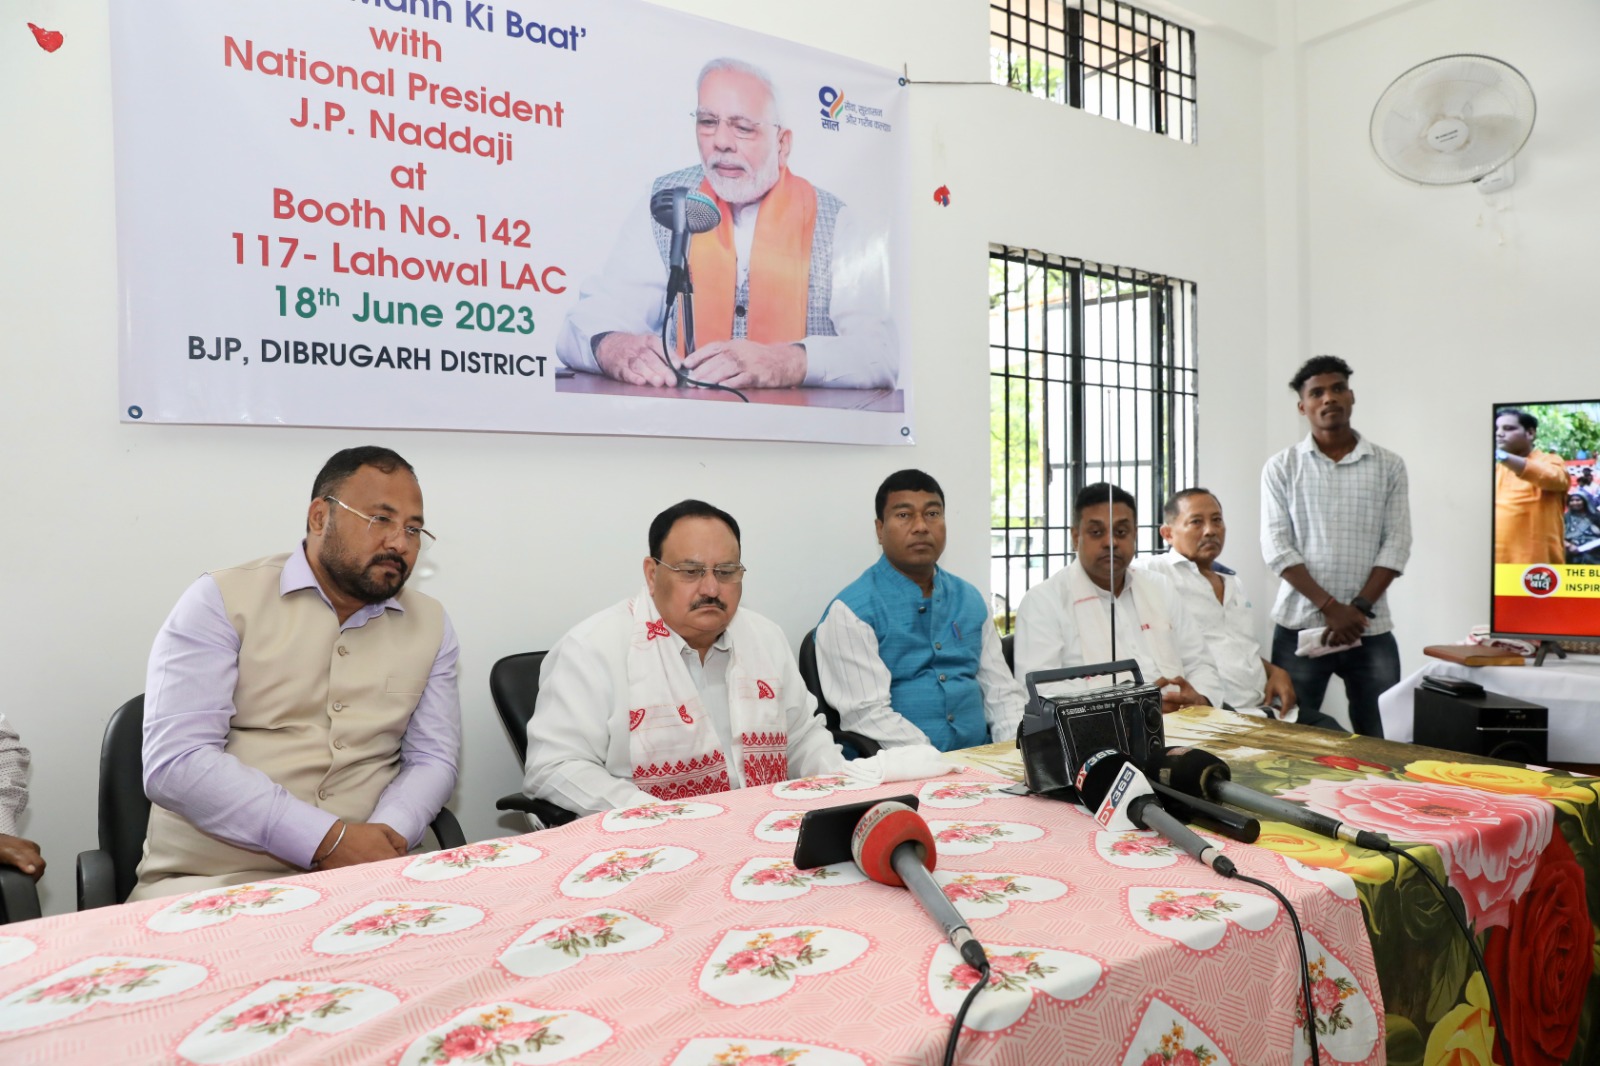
x=1308, y=444
x=907, y=586
x=297, y=574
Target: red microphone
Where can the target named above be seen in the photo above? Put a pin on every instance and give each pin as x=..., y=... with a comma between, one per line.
x=894, y=846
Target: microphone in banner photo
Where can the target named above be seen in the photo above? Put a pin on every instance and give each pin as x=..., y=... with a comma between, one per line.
x=1121, y=798
x=893, y=846
x=683, y=212
x=1197, y=772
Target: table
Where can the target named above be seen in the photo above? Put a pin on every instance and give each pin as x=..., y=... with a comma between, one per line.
x=1569, y=687
x=854, y=399
x=680, y=933
x=1519, y=848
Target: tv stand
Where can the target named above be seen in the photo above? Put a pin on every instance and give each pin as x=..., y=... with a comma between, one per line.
x=1545, y=648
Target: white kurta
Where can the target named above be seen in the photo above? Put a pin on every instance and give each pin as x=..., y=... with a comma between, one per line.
x=579, y=754
x=1048, y=636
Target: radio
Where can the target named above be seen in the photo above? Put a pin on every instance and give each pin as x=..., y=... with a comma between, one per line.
x=1059, y=732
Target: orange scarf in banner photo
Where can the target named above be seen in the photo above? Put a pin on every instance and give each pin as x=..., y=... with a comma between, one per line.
x=780, y=267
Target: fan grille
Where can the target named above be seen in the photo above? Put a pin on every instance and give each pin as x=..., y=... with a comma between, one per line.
x=1452, y=119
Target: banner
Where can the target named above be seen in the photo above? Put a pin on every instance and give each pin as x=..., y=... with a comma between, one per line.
x=558, y=217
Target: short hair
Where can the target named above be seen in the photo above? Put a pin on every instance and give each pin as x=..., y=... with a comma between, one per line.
x=1098, y=493
x=904, y=481
x=739, y=66
x=1318, y=364
x=1529, y=423
x=1586, y=475
x=342, y=464
x=663, y=523
x=1174, y=505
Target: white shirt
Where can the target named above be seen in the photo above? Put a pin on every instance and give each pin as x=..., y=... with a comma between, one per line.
x=14, y=759
x=1047, y=636
x=1338, y=519
x=578, y=747
x=857, y=682
x=1229, y=626
x=629, y=296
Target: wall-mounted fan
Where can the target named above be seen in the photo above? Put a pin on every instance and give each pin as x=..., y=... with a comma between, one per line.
x=1454, y=119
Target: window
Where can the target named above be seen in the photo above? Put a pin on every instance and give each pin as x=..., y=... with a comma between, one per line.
x=1106, y=58
x=1092, y=378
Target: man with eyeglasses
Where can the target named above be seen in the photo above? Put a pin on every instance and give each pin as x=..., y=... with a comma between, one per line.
x=908, y=652
x=790, y=288
x=301, y=710
x=678, y=692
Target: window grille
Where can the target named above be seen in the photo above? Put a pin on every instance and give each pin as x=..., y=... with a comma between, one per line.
x=1093, y=377
x=1107, y=58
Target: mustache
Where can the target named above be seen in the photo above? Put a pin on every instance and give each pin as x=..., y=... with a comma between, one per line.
x=708, y=601
x=390, y=557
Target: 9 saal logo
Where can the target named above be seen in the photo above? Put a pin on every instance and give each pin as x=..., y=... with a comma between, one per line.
x=1540, y=580
x=832, y=101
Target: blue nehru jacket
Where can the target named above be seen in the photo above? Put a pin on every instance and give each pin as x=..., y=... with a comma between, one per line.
x=931, y=648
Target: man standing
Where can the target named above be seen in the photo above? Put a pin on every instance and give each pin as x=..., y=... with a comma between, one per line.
x=788, y=287
x=1530, y=493
x=678, y=692
x=1215, y=602
x=908, y=652
x=301, y=710
x=1068, y=620
x=1336, y=526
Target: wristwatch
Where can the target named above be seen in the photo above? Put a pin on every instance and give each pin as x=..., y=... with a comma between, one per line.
x=1364, y=605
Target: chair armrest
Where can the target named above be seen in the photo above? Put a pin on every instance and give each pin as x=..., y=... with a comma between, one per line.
x=19, y=896
x=97, y=880
x=447, y=831
x=548, y=813
x=865, y=746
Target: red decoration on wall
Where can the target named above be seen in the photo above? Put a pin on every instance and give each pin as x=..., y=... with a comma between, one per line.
x=941, y=196
x=49, y=40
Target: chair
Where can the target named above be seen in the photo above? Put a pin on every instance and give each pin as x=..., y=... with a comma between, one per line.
x=514, y=687
x=1008, y=649
x=863, y=745
x=19, y=896
x=108, y=874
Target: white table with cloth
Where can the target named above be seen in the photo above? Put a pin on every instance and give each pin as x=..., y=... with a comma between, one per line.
x=681, y=933
x=1570, y=688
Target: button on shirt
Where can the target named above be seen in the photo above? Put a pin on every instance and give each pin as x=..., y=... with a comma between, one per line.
x=1229, y=626
x=1338, y=519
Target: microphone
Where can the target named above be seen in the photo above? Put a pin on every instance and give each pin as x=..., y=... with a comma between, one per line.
x=683, y=212
x=1115, y=789
x=1196, y=772
x=1236, y=825
x=893, y=846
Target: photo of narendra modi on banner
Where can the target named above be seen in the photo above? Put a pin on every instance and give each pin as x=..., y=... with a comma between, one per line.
x=737, y=278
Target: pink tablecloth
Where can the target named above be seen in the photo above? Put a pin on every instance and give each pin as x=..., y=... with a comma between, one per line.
x=681, y=934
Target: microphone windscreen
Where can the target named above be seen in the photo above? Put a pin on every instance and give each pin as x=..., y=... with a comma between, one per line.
x=1187, y=770
x=881, y=830
x=700, y=212
x=1097, y=774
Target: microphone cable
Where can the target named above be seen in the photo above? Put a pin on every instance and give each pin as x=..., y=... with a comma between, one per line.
x=1472, y=945
x=961, y=1015
x=683, y=375
x=1305, y=964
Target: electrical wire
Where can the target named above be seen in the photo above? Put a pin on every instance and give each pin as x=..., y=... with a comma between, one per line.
x=683, y=375
x=961, y=1015
x=1305, y=964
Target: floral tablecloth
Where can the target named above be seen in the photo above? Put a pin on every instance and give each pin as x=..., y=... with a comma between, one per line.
x=680, y=933
x=1518, y=848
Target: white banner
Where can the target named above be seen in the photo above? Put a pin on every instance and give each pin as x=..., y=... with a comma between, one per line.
x=453, y=215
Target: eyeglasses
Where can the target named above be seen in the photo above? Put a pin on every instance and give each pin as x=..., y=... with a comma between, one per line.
x=725, y=573
x=705, y=124
x=383, y=525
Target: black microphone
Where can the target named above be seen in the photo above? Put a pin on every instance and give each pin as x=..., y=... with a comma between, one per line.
x=1236, y=825
x=894, y=846
x=1196, y=772
x=1112, y=786
x=682, y=212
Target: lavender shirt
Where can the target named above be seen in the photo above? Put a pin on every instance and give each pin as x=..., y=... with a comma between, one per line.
x=188, y=710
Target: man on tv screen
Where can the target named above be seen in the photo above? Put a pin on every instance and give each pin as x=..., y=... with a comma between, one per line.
x=1530, y=493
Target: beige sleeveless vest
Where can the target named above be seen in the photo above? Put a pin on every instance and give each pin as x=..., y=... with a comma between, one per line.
x=320, y=712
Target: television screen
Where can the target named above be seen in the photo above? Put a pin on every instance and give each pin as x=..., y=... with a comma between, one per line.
x=1546, y=579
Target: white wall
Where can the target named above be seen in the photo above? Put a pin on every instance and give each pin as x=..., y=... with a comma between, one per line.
x=1442, y=301
x=108, y=522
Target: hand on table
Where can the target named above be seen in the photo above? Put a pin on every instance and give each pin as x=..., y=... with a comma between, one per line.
x=634, y=358
x=1185, y=696
x=23, y=854
x=1280, y=689
x=745, y=364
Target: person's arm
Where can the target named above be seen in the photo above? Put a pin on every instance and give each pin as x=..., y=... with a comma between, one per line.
x=1004, y=698
x=1047, y=639
x=1543, y=471
x=570, y=734
x=1278, y=686
x=188, y=710
x=865, y=354
x=1198, y=670
x=1394, y=550
x=856, y=682
x=428, y=751
x=627, y=296
x=14, y=762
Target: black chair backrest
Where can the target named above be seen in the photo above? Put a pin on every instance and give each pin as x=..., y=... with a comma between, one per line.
x=1008, y=649
x=124, y=808
x=813, y=680
x=514, y=687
